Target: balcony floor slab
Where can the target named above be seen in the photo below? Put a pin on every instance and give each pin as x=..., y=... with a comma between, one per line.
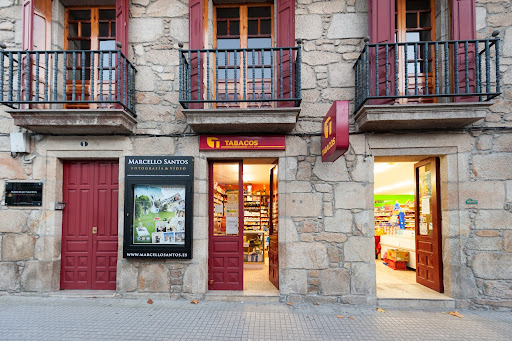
x=436, y=116
x=265, y=120
x=75, y=121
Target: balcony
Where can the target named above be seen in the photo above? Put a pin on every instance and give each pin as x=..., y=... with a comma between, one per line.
x=425, y=85
x=69, y=92
x=241, y=90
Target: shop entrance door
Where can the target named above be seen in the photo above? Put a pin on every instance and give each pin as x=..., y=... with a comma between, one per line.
x=429, y=266
x=89, y=225
x=225, y=262
x=273, y=259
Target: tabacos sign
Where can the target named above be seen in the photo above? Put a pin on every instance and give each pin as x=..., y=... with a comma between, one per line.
x=334, y=142
x=228, y=142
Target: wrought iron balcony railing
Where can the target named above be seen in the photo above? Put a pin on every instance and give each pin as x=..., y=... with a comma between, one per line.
x=427, y=71
x=240, y=78
x=82, y=79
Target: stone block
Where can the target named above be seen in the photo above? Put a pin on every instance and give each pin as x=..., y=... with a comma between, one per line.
x=484, y=244
x=38, y=276
x=490, y=194
x=12, y=221
x=351, y=195
x=503, y=143
x=507, y=241
x=362, y=279
x=334, y=282
x=334, y=257
x=358, y=249
x=154, y=278
x=331, y=171
x=293, y=282
x=194, y=278
x=304, y=171
x=145, y=80
x=178, y=30
x=331, y=237
x=17, y=247
x=47, y=248
x=10, y=168
x=489, y=265
x=341, y=75
x=9, y=276
x=127, y=276
x=487, y=233
x=493, y=220
x=320, y=58
x=298, y=187
x=493, y=166
x=327, y=7
x=289, y=165
x=308, y=26
x=498, y=289
x=167, y=9
x=348, y=25
x=288, y=231
x=309, y=227
x=467, y=285
x=507, y=44
x=308, y=79
x=508, y=186
x=145, y=30
x=363, y=221
x=303, y=204
x=295, y=146
x=341, y=222
x=154, y=145
x=305, y=256
x=362, y=170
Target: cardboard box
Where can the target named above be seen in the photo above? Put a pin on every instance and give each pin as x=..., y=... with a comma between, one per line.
x=398, y=255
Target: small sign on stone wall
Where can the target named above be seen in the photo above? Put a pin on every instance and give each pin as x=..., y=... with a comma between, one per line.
x=24, y=193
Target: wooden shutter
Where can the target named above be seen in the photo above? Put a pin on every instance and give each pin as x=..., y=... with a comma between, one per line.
x=464, y=28
x=28, y=23
x=381, y=27
x=196, y=41
x=285, y=38
x=122, y=7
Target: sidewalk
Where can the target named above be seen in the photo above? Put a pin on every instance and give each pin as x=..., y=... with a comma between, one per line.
x=65, y=318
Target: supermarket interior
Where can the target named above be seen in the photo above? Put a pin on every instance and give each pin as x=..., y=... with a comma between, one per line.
x=395, y=244
x=256, y=216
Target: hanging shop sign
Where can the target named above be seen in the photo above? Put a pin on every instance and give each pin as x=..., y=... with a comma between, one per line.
x=334, y=141
x=225, y=142
x=23, y=193
x=158, y=207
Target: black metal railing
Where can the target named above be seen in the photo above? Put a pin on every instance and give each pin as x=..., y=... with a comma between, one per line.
x=260, y=77
x=466, y=70
x=79, y=79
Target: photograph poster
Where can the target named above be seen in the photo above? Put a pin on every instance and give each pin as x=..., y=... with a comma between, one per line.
x=159, y=215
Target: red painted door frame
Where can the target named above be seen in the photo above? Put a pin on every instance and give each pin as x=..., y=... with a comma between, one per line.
x=90, y=225
x=273, y=239
x=225, y=253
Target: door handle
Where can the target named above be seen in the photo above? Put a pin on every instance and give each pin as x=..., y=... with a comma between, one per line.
x=94, y=229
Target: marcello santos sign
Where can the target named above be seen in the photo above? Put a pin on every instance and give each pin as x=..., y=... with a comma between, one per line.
x=334, y=142
x=226, y=142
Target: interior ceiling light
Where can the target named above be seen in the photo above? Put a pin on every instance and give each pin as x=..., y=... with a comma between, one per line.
x=382, y=167
x=394, y=186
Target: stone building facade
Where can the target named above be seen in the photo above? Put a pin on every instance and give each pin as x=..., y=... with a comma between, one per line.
x=325, y=209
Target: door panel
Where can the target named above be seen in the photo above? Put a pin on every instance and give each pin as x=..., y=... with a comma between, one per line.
x=90, y=191
x=429, y=267
x=225, y=263
x=273, y=247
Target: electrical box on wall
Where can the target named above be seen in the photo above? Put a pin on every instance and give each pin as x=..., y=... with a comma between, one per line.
x=20, y=143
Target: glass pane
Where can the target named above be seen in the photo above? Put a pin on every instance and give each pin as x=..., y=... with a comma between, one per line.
x=412, y=37
x=258, y=42
x=425, y=19
x=112, y=29
x=253, y=27
x=228, y=13
x=412, y=5
x=266, y=27
x=425, y=200
x=222, y=28
x=234, y=28
x=107, y=44
x=258, y=12
x=159, y=214
x=107, y=14
x=73, y=30
x=80, y=15
x=411, y=20
x=225, y=199
x=86, y=30
x=104, y=29
x=79, y=45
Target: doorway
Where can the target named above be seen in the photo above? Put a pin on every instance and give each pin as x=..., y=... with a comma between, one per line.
x=243, y=228
x=408, y=252
x=90, y=225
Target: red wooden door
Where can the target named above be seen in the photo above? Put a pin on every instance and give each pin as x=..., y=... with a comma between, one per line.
x=225, y=244
x=273, y=246
x=429, y=266
x=89, y=225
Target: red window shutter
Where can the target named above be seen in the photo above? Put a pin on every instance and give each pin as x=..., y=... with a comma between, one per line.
x=28, y=23
x=464, y=28
x=285, y=38
x=381, y=27
x=196, y=41
x=122, y=7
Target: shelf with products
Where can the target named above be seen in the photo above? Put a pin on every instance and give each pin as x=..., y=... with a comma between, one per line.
x=254, y=247
x=385, y=212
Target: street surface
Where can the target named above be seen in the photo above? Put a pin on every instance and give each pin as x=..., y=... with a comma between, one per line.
x=66, y=318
